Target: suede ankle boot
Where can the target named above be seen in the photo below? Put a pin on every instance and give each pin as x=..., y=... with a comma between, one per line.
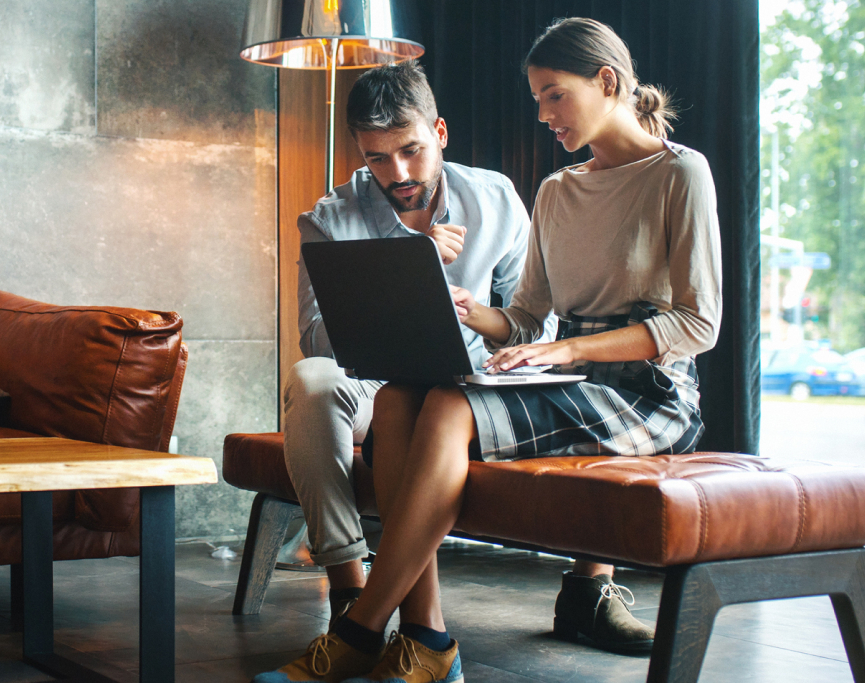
x=596, y=608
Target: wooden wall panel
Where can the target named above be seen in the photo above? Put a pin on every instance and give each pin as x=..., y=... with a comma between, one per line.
x=302, y=132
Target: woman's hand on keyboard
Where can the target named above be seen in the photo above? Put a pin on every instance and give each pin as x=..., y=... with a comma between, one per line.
x=551, y=353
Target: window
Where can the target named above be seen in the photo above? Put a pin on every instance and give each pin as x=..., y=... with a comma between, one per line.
x=812, y=117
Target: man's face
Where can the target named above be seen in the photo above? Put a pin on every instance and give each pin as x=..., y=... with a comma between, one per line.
x=406, y=163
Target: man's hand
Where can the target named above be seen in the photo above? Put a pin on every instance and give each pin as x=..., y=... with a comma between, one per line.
x=490, y=323
x=463, y=301
x=449, y=240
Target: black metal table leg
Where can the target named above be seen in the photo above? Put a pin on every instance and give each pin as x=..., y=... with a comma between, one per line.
x=37, y=569
x=16, y=586
x=156, y=598
x=157, y=585
x=37, y=550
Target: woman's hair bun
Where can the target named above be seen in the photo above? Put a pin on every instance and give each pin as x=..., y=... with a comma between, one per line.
x=654, y=110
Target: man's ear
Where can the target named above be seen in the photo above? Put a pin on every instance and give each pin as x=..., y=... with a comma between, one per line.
x=441, y=132
x=608, y=75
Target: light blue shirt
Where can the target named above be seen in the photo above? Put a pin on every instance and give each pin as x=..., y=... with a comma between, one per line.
x=484, y=202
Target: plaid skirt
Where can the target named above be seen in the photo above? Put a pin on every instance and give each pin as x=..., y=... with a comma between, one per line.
x=623, y=408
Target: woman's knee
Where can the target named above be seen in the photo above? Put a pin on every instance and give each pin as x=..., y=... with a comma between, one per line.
x=446, y=399
x=449, y=408
x=395, y=403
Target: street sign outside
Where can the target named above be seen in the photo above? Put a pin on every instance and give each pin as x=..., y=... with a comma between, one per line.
x=816, y=260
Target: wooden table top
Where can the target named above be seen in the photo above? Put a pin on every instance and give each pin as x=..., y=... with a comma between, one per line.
x=51, y=464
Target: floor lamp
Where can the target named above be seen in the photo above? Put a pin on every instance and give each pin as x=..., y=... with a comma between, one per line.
x=327, y=35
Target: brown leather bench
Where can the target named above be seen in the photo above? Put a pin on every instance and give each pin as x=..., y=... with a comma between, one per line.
x=723, y=528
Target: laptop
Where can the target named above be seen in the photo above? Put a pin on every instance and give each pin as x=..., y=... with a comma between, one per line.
x=389, y=314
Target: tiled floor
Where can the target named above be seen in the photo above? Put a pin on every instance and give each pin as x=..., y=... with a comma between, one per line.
x=498, y=603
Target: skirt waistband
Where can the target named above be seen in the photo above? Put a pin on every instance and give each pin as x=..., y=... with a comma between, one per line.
x=584, y=325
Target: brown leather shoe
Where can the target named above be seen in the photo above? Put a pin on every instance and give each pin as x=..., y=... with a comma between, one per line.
x=598, y=609
x=407, y=661
x=328, y=659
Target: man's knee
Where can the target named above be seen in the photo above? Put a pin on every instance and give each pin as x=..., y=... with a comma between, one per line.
x=313, y=378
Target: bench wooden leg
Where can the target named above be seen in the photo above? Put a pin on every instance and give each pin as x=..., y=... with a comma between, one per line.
x=850, y=613
x=689, y=603
x=692, y=596
x=268, y=522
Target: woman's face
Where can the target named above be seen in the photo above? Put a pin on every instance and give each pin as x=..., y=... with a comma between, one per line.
x=574, y=107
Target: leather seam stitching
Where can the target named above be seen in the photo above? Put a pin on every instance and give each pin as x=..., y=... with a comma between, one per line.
x=704, y=519
x=803, y=511
x=170, y=317
x=159, y=397
x=176, y=401
x=663, y=527
x=110, y=409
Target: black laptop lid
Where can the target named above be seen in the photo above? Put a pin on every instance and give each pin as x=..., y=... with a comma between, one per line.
x=387, y=308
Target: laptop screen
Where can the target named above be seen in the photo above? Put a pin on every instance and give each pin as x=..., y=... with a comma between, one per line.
x=387, y=309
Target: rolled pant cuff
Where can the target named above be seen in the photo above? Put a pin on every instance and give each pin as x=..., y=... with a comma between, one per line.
x=355, y=551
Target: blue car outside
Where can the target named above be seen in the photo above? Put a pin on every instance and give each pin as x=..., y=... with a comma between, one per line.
x=857, y=362
x=804, y=371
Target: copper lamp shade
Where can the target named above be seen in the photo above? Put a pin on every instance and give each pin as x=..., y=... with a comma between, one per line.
x=300, y=34
x=330, y=35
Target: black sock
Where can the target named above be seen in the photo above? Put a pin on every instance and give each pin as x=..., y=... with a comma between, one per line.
x=359, y=637
x=426, y=636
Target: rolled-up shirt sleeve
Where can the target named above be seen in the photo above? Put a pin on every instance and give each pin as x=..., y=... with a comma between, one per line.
x=692, y=324
x=313, y=337
x=529, y=313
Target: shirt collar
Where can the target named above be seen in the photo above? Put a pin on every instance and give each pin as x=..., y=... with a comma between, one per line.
x=387, y=219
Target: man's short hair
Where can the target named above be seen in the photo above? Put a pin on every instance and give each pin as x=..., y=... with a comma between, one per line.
x=391, y=96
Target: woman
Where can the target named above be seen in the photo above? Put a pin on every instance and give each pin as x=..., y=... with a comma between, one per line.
x=625, y=249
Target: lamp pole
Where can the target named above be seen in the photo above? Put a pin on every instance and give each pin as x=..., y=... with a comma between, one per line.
x=331, y=115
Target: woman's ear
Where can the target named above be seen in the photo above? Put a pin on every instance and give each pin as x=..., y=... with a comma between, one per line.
x=608, y=75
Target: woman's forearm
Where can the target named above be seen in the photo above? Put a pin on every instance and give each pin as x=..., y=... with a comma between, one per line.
x=626, y=344
x=634, y=342
x=488, y=322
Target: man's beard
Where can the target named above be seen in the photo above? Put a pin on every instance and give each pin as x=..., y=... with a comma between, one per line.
x=420, y=200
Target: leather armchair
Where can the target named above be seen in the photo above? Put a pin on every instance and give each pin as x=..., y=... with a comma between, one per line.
x=100, y=374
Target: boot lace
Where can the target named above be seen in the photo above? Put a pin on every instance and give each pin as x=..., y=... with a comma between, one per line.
x=402, y=649
x=318, y=647
x=611, y=590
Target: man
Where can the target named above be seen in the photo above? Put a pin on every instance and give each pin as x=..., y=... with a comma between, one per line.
x=480, y=227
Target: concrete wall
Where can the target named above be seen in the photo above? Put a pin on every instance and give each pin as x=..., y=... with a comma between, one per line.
x=137, y=168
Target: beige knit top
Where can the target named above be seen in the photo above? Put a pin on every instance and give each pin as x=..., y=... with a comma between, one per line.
x=604, y=240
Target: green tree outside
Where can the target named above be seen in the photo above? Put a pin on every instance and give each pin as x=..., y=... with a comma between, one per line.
x=813, y=89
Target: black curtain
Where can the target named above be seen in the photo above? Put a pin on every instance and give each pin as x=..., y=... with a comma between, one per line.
x=706, y=54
